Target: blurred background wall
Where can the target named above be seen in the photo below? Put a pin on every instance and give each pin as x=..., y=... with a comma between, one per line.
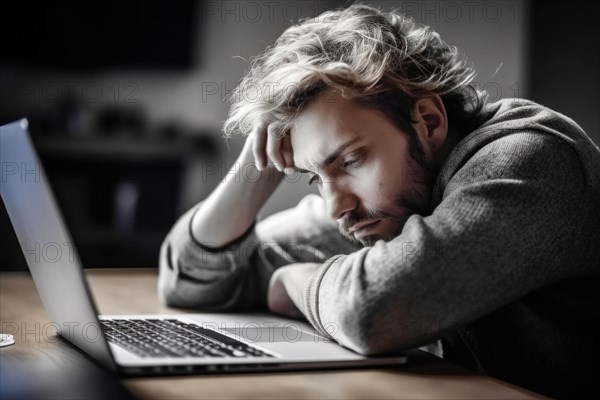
x=126, y=99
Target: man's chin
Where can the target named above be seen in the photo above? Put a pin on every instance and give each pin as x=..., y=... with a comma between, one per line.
x=369, y=240
x=388, y=235
x=365, y=241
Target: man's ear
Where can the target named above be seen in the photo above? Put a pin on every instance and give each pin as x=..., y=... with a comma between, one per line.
x=431, y=124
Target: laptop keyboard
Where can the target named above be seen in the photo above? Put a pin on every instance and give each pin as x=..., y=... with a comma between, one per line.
x=173, y=338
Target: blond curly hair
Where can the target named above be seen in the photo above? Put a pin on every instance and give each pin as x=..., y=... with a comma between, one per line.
x=380, y=60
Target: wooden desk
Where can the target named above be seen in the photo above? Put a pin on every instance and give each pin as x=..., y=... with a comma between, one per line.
x=41, y=363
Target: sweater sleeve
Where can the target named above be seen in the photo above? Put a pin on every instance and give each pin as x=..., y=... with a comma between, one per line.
x=502, y=230
x=236, y=276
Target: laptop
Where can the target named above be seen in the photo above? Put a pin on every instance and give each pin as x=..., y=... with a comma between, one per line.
x=145, y=344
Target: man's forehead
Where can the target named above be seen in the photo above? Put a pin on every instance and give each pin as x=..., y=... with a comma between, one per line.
x=326, y=155
x=321, y=129
x=307, y=154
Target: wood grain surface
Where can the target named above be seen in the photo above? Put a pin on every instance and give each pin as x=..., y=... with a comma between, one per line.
x=40, y=362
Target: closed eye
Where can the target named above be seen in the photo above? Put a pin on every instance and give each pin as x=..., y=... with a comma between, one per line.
x=314, y=179
x=350, y=162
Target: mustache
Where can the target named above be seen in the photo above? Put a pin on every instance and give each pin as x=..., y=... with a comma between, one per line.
x=355, y=217
x=408, y=202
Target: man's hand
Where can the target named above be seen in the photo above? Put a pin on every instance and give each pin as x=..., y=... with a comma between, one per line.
x=268, y=145
x=287, y=287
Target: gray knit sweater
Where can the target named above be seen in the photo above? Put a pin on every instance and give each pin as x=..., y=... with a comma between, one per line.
x=505, y=272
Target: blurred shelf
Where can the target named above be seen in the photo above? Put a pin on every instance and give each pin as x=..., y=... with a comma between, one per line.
x=123, y=149
x=120, y=195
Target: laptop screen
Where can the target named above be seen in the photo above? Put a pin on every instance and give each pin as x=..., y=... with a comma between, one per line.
x=46, y=244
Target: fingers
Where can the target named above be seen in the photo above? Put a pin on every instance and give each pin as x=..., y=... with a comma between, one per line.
x=259, y=141
x=288, y=154
x=274, y=147
x=269, y=146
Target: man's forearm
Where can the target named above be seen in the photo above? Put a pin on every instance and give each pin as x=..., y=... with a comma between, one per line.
x=287, y=286
x=232, y=207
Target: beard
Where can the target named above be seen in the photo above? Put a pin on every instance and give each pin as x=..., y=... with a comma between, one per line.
x=413, y=197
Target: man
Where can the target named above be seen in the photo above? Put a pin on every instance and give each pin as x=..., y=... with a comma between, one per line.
x=441, y=216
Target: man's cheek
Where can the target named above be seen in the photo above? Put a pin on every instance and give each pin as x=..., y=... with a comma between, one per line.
x=370, y=185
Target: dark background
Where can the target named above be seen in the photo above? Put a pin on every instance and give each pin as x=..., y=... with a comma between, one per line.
x=126, y=99
x=75, y=35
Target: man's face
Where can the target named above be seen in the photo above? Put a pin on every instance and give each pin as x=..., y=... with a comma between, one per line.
x=372, y=185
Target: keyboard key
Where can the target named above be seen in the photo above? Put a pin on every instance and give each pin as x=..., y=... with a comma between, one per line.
x=173, y=338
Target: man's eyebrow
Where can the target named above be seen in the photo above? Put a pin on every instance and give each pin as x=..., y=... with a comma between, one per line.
x=330, y=159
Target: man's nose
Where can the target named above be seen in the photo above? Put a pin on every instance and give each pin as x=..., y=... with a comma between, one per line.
x=339, y=200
